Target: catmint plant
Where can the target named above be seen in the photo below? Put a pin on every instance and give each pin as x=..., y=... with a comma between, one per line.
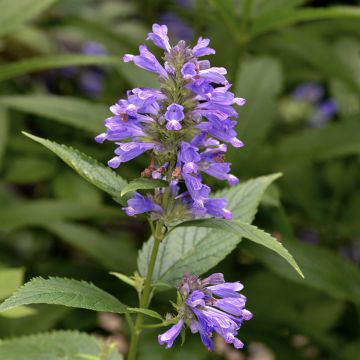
x=186, y=127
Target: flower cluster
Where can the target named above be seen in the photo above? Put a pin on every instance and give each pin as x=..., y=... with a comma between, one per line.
x=209, y=305
x=185, y=125
x=323, y=110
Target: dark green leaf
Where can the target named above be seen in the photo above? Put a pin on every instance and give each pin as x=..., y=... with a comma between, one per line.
x=15, y=13
x=8, y=71
x=92, y=171
x=81, y=114
x=60, y=345
x=66, y=292
x=248, y=231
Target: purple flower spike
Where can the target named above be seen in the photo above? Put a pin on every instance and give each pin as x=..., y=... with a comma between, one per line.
x=170, y=336
x=174, y=115
x=206, y=313
x=159, y=37
x=185, y=125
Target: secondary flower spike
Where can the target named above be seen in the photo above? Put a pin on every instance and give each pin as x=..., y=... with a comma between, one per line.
x=209, y=306
x=185, y=125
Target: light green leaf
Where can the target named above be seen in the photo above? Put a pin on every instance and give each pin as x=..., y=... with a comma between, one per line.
x=19, y=312
x=44, y=212
x=279, y=19
x=8, y=71
x=4, y=129
x=10, y=280
x=124, y=278
x=114, y=254
x=82, y=114
x=147, y=312
x=59, y=345
x=248, y=231
x=15, y=13
x=66, y=292
x=143, y=184
x=91, y=170
x=260, y=81
x=197, y=250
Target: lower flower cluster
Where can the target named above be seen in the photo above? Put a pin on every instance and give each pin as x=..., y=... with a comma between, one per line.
x=209, y=306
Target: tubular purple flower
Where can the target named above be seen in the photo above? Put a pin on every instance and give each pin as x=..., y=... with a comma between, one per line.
x=173, y=116
x=170, y=336
x=201, y=48
x=140, y=204
x=159, y=37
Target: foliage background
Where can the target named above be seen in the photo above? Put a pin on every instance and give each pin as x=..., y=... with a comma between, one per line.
x=54, y=223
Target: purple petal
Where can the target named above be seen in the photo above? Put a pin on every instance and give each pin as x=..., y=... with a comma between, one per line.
x=169, y=336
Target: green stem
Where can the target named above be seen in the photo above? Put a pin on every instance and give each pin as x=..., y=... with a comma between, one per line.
x=146, y=293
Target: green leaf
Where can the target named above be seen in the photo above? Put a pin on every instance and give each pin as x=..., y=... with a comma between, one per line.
x=10, y=280
x=29, y=170
x=260, y=82
x=143, y=184
x=8, y=71
x=44, y=212
x=147, y=312
x=19, y=312
x=4, y=129
x=66, y=292
x=124, y=278
x=197, y=250
x=279, y=19
x=59, y=345
x=91, y=170
x=81, y=114
x=248, y=231
x=15, y=13
x=114, y=254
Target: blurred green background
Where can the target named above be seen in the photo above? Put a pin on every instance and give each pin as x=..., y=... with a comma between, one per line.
x=296, y=62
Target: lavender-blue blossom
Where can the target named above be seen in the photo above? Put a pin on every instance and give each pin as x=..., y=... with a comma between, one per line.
x=185, y=126
x=209, y=306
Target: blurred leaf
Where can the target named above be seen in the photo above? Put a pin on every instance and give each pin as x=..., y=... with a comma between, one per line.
x=60, y=345
x=8, y=71
x=91, y=170
x=285, y=17
x=332, y=140
x=69, y=186
x=15, y=13
x=242, y=229
x=260, y=81
x=197, y=250
x=10, y=280
x=66, y=292
x=19, y=312
x=29, y=170
x=81, y=114
x=143, y=184
x=44, y=212
x=4, y=124
x=117, y=255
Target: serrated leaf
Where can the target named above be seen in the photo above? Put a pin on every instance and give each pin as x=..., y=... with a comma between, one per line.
x=197, y=250
x=114, y=254
x=91, y=170
x=44, y=212
x=143, y=184
x=23, y=67
x=82, y=114
x=15, y=13
x=281, y=18
x=147, y=312
x=59, y=345
x=248, y=231
x=66, y=292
